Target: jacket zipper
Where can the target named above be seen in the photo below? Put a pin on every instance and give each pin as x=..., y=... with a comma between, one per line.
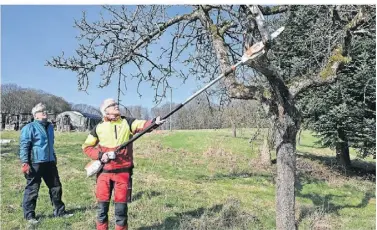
x=46, y=132
x=48, y=145
x=115, y=130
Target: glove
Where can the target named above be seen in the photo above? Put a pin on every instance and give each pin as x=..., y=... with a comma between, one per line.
x=158, y=121
x=25, y=168
x=105, y=158
x=111, y=155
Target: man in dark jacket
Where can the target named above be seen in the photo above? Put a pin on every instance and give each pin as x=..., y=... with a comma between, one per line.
x=38, y=160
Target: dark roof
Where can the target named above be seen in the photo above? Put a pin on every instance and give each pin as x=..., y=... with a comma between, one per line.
x=91, y=116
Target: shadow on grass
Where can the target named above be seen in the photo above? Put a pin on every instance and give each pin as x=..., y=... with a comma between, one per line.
x=317, y=146
x=222, y=216
x=81, y=209
x=147, y=194
x=238, y=175
x=174, y=221
x=258, y=139
x=363, y=169
x=70, y=211
x=326, y=203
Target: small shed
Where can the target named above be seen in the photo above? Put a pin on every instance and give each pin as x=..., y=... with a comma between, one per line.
x=76, y=121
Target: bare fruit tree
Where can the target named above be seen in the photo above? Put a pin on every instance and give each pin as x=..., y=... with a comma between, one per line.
x=206, y=40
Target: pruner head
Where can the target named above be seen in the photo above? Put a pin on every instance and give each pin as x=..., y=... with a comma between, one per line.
x=252, y=52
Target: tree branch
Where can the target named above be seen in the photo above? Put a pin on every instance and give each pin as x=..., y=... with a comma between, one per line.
x=271, y=10
x=89, y=58
x=259, y=18
x=235, y=89
x=335, y=62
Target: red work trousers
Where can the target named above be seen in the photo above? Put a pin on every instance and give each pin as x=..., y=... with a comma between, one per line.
x=122, y=185
x=120, y=182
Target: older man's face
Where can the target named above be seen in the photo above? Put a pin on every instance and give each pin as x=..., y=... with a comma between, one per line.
x=40, y=115
x=113, y=109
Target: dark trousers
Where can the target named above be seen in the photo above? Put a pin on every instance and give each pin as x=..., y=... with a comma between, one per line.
x=49, y=173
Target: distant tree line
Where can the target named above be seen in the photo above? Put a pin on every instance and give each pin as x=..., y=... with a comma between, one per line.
x=342, y=115
x=201, y=113
x=15, y=100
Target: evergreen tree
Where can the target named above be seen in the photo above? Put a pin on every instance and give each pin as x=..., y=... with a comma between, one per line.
x=344, y=114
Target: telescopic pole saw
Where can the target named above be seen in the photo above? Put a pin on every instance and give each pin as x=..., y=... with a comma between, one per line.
x=251, y=53
x=254, y=51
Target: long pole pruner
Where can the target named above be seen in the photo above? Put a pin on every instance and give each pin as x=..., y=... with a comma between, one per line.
x=253, y=52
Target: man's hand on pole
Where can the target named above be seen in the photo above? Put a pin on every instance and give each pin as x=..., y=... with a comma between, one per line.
x=158, y=121
x=111, y=155
x=105, y=158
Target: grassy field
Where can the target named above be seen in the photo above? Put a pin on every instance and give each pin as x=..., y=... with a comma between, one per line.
x=202, y=179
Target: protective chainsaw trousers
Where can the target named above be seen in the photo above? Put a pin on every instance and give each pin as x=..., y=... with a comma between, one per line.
x=121, y=184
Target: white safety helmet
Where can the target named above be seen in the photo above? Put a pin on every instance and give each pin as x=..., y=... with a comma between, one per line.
x=105, y=104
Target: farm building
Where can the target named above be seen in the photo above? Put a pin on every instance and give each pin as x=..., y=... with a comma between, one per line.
x=76, y=121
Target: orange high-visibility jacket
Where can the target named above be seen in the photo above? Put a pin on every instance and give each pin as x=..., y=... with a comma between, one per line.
x=108, y=135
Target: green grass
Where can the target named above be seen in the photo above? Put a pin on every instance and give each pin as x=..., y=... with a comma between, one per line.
x=309, y=143
x=200, y=179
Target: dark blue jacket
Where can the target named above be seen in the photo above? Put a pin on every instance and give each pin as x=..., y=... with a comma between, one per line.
x=37, y=143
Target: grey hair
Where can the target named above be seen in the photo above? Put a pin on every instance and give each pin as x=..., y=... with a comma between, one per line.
x=37, y=108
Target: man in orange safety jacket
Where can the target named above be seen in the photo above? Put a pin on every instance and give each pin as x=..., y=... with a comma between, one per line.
x=117, y=170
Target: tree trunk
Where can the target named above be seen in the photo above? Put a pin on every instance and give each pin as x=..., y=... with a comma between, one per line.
x=285, y=197
x=287, y=128
x=287, y=125
x=265, y=155
x=342, y=150
x=234, y=129
x=343, y=154
x=286, y=173
x=299, y=137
